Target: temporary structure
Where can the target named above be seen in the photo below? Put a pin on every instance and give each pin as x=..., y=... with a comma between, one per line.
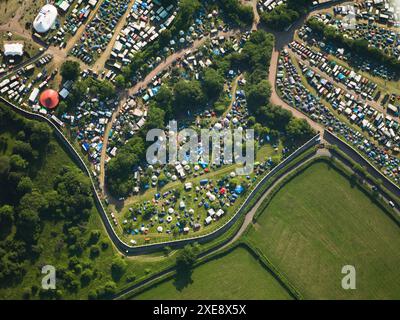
x=45, y=19
x=49, y=99
x=13, y=49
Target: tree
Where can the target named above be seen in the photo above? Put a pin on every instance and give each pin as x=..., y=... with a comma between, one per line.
x=40, y=136
x=4, y=166
x=24, y=186
x=86, y=276
x=3, y=143
x=28, y=225
x=280, y=18
x=106, y=90
x=94, y=251
x=94, y=236
x=23, y=149
x=70, y=70
x=164, y=99
x=6, y=215
x=188, y=96
x=186, y=257
x=186, y=13
x=299, y=129
x=118, y=268
x=165, y=37
x=120, y=81
x=120, y=168
x=241, y=15
x=155, y=118
x=108, y=290
x=213, y=83
x=258, y=95
x=275, y=117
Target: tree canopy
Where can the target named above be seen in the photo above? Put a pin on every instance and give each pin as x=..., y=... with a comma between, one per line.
x=70, y=70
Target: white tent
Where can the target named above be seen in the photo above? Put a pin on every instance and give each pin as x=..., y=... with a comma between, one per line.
x=13, y=49
x=45, y=19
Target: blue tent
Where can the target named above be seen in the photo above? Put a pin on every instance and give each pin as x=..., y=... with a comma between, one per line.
x=239, y=189
x=203, y=164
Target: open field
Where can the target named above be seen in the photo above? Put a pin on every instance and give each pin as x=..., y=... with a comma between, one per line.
x=317, y=224
x=8, y=8
x=22, y=11
x=30, y=10
x=236, y=275
x=30, y=47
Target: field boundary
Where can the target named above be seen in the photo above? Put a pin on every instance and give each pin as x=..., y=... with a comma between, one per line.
x=143, y=249
x=264, y=262
x=377, y=182
x=342, y=170
x=232, y=231
x=360, y=159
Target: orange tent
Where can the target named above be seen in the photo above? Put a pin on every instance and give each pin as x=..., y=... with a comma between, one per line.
x=49, y=99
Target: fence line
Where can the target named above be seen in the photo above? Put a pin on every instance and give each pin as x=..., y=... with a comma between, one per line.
x=147, y=248
x=359, y=158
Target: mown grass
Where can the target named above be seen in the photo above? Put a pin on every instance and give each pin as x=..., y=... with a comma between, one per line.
x=318, y=223
x=235, y=275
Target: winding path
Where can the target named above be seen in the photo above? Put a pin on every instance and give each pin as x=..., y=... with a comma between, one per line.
x=143, y=84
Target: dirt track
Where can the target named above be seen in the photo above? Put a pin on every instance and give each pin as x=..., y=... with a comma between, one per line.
x=142, y=84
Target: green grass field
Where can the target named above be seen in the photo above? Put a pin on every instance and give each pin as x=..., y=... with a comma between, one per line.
x=317, y=224
x=235, y=275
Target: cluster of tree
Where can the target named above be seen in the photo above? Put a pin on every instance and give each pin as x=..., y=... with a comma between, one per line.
x=120, y=168
x=186, y=14
x=70, y=70
x=359, y=47
x=255, y=58
x=24, y=207
x=274, y=120
x=186, y=96
x=241, y=15
x=106, y=291
x=102, y=89
x=286, y=14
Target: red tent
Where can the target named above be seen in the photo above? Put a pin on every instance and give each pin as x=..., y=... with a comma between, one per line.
x=49, y=99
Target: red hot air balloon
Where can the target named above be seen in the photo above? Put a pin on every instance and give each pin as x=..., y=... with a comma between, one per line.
x=49, y=99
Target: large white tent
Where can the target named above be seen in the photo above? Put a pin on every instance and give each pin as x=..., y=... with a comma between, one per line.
x=13, y=49
x=45, y=19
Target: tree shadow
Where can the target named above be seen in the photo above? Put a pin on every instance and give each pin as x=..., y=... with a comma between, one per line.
x=5, y=230
x=183, y=279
